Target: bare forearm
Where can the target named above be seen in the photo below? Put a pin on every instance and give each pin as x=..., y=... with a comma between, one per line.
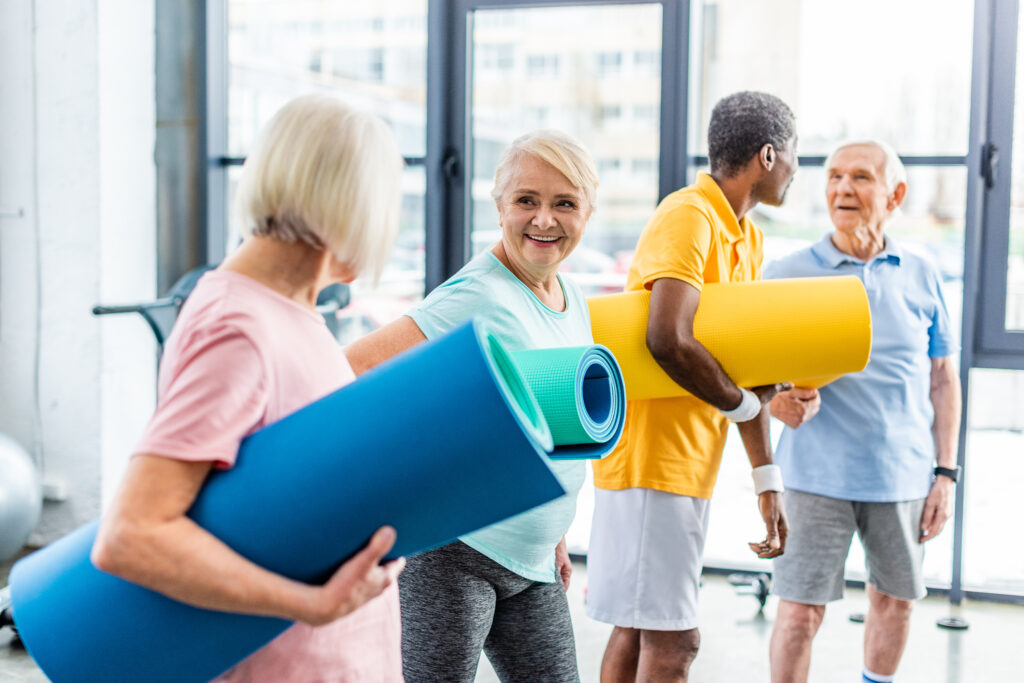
x=692, y=367
x=756, y=439
x=383, y=344
x=183, y=561
x=945, y=398
x=670, y=340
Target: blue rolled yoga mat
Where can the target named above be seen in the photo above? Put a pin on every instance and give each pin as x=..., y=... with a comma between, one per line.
x=582, y=394
x=438, y=442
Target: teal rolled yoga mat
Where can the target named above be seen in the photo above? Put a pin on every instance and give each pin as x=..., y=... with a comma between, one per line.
x=582, y=394
x=401, y=446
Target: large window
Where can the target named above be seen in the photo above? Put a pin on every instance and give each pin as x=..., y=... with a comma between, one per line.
x=371, y=54
x=581, y=82
x=636, y=80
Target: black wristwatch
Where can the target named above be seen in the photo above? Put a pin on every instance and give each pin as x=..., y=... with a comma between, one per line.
x=952, y=473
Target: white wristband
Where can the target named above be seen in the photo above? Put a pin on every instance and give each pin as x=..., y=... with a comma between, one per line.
x=748, y=409
x=767, y=478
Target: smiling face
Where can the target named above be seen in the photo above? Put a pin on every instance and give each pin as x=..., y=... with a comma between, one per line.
x=856, y=191
x=542, y=217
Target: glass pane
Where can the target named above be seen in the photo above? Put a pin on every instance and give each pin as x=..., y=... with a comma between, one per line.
x=372, y=55
x=930, y=223
x=1015, y=257
x=995, y=456
x=895, y=69
x=596, y=81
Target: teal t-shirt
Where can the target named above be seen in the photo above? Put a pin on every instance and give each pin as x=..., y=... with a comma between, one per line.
x=485, y=289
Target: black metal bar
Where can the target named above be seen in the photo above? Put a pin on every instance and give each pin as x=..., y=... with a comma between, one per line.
x=238, y=161
x=214, y=129
x=443, y=220
x=812, y=160
x=675, y=89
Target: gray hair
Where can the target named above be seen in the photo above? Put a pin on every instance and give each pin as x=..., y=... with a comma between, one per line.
x=744, y=122
x=894, y=173
x=559, y=149
x=329, y=175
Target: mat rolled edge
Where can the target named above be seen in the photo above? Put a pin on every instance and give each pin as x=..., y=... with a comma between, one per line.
x=571, y=399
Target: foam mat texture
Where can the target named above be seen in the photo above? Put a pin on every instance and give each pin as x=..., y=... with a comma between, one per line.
x=582, y=394
x=808, y=331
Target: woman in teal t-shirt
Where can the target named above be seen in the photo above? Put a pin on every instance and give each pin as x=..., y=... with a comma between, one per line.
x=501, y=589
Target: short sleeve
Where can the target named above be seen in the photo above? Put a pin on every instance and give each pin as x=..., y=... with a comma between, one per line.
x=453, y=304
x=213, y=394
x=941, y=337
x=675, y=245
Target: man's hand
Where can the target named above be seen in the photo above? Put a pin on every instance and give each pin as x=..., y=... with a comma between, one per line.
x=774, y=544
x=356, y=582
x=766, y=392
x=563, y=565
x=796, y=406
x=938, y=507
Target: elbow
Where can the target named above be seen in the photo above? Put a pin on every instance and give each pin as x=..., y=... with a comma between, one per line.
x=110, y=551
x=666, y=349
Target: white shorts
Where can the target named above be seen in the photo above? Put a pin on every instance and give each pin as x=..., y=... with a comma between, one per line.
x=645, y=558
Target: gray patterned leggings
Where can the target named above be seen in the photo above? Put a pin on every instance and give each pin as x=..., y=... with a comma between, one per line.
x=457, y=602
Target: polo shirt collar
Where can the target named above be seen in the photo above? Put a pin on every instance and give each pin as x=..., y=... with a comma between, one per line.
x=707, y=186
x=828, y=254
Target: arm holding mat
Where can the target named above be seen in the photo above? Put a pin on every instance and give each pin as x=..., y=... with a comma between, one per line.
x=383, y=343
x=146, y=538
x=670, y=339
x=673, y=308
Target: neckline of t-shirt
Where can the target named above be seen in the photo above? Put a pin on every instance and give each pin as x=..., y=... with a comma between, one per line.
x=246, y=281
x=536, y=299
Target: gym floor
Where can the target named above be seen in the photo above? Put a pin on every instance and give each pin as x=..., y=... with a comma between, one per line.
x=735, y=641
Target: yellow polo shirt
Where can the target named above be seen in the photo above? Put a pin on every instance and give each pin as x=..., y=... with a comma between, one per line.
x=675, y=444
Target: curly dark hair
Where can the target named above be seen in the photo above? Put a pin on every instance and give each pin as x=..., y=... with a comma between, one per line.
x=743, y=123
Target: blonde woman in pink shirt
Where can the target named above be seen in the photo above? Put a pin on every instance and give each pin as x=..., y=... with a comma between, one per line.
x=319, y=197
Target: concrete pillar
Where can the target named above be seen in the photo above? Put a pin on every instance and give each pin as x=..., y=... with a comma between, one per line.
x=77, y=124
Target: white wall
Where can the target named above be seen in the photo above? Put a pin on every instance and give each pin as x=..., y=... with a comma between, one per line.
x=76, y=157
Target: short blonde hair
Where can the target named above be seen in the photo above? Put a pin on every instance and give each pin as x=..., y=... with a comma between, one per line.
x=326, y=174
x=559, y=149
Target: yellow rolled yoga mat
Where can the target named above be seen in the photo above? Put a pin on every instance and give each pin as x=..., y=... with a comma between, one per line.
x=808, y=331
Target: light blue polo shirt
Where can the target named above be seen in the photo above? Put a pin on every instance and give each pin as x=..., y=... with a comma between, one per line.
x=872, y=439
x=485, y=289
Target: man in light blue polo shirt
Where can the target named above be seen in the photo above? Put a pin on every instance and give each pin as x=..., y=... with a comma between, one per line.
x=867, y=460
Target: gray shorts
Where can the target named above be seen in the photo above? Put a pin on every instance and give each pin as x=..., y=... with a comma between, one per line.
x=820, y=531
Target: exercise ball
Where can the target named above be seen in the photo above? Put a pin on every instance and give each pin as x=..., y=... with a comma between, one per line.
x=21, y=497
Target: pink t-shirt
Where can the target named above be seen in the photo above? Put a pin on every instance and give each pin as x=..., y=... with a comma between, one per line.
x=242, y=356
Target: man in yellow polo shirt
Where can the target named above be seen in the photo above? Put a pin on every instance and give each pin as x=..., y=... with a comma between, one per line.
x=653, y=492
